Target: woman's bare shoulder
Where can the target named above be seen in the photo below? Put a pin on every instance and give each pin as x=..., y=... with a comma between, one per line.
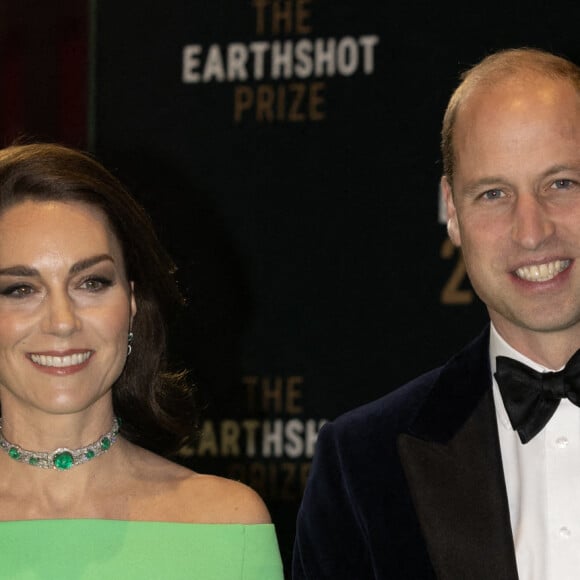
x=181, y=494
x=226, y=500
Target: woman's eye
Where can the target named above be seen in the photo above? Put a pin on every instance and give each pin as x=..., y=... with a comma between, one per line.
x=96, y=284
x=17, y=291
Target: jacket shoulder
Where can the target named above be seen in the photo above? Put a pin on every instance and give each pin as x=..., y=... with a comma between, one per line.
x=457, y=383
x=395, y=410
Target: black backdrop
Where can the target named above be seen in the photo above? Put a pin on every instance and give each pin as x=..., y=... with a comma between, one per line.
x=298, y=195
x=301, y=203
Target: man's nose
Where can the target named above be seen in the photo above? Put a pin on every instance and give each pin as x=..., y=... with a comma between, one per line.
x=532, y=224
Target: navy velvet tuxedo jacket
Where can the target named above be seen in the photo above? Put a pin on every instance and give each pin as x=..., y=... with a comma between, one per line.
x=411, y=486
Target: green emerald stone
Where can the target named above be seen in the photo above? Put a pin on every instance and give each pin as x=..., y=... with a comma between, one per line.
x=63, y=460
x=90, y=454
x=14, y=453
x=33, y=461
x=105, y=443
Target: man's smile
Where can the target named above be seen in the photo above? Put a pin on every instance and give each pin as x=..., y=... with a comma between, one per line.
x=542, y=272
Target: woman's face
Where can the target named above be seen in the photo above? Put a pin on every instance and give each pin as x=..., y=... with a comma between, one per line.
x=66, y=308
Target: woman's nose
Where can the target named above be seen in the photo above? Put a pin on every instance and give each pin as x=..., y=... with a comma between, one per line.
x=61, y=317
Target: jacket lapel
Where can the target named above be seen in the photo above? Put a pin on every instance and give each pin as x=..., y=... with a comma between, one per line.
x=452, y=462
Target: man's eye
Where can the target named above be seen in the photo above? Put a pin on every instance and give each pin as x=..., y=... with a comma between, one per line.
x=493, y=194
x=562, y=183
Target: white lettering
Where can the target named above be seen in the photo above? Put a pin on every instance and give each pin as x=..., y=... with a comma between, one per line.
x=347, y=56
x=324, y=57
x=272, y=438
x=214, y=65
x=259, y=49
x=294, y=446
x=237, y=60
x=368, y=43
x=303, y=53
x=278, y=438
x=281, y=59
x=190, y=63
x=311, y=435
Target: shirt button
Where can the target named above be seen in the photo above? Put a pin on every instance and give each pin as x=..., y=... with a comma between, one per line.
x=565, y=532
x=562, y=442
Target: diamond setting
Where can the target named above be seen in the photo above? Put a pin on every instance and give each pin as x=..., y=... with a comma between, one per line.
x=61, y=459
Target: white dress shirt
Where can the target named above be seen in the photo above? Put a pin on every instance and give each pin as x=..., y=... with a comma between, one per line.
x=543, y=484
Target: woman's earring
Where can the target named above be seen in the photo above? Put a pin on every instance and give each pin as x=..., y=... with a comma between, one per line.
x=129, y=342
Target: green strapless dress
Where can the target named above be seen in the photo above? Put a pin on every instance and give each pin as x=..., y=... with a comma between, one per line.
x=91, y=549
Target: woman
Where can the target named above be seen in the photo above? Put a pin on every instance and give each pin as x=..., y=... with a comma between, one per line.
x=90, y=412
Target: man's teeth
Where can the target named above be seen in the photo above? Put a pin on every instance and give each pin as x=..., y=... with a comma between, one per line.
x=60, y=361
x=542, y=272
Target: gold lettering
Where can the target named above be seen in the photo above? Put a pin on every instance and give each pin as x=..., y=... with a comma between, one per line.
x=293, y=394
x=257, y=478
x=298, y=90
x=260, y=6
x=272, y=394
x=302, y=14
x=273, y=481
x=265, y=103
x=451, y=292
x=304, y=471
x=278, y=394
x=295, y=102
x=281, y=103
x=243, y=101
x=251, y=383
x=288, y=480
x=284, y=17
x=316, y=101
x=282, y=14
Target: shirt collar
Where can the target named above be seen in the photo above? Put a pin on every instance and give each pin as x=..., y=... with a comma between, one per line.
x=499, y=347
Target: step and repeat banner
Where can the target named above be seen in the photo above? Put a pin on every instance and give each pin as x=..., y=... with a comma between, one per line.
x=288, y=152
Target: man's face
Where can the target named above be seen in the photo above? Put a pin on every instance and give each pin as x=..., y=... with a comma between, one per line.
x=515, y=206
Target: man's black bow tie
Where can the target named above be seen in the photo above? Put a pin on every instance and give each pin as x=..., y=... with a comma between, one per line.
x=530, y=397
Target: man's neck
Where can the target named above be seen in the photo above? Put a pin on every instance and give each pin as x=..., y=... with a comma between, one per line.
x=550, y=350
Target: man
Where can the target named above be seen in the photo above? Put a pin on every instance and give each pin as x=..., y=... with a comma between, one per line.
x=433, y=480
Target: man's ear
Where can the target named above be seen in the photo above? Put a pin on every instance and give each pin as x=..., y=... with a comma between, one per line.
x=452, y=224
